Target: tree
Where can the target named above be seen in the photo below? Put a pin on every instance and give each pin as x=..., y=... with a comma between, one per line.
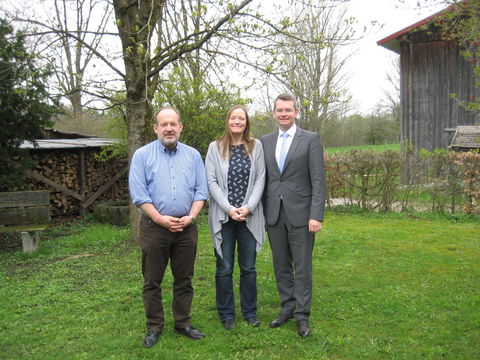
x=71, y=57
x=194, y=84
x=315, y=71
x=383, y=128
x=391, y=101
x=203, y=106
x=25, y=105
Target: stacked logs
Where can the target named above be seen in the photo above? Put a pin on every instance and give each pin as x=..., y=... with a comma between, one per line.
x=62, y=166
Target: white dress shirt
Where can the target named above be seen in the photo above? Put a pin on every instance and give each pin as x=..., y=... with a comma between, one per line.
x=280, y=140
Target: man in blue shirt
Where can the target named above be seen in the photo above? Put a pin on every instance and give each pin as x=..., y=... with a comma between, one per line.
x=167, y=183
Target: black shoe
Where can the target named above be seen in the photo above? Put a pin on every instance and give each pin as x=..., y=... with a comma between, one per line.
x=190, y=332
x=303, y=328
x=252, y=320
x=228, y=324
x=151, y=338
x=280, y=320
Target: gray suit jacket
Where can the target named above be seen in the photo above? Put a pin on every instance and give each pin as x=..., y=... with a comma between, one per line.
x=301, y=186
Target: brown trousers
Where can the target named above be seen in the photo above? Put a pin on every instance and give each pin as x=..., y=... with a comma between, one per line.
x=158, y=246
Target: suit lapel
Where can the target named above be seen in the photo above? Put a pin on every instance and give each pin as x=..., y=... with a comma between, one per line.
x=293, y=146
x=272, y=145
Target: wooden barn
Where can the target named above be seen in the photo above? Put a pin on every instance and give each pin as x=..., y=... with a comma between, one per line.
x=431, y=69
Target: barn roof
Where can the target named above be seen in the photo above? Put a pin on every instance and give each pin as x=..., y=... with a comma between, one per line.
x=466, y=137
x=68, y=143
x=392, y=42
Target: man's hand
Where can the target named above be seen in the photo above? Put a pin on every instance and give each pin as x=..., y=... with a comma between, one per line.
x=171, y=223
x=314, y=226
x=185, y=221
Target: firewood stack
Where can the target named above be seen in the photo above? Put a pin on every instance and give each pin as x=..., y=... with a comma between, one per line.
x=63, y=168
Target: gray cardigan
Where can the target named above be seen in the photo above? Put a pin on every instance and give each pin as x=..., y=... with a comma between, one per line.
x=217, y=179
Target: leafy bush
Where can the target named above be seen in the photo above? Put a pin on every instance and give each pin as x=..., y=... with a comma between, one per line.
x=445, y=180
x=367, y=178
x=469, y=163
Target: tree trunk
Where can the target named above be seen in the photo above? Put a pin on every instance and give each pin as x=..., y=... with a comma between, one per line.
x=136, y=21
x=77, y=112
x=137, y=112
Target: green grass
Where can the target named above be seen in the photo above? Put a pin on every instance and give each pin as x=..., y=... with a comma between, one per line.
x=386, y=287
x=378, y=148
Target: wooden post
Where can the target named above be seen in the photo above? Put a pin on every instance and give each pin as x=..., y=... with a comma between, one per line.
x=30, y=241
x=82, y=182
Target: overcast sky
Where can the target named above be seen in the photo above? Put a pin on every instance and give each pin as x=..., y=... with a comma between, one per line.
x=370, y=66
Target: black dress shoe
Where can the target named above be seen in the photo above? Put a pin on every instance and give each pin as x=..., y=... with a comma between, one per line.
x=252, y=320
x=303, y=328
x=280, y=320
x=151, y=338
x=190, y=332
x=228, y=324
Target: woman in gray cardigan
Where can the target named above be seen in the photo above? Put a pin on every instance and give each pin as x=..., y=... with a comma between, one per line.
x=236, y=176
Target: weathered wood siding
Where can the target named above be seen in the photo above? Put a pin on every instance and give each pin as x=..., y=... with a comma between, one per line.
x=24, y=207
x=430, y=72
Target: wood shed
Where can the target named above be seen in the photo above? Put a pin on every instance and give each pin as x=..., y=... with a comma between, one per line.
x=431, y=70
x=466, y=138
x=67, y=165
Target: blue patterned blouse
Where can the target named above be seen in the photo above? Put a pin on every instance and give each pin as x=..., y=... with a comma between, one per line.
x=238, y=174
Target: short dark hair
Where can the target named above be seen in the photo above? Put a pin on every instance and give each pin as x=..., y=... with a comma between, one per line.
x=164, y=108
x=286, y=97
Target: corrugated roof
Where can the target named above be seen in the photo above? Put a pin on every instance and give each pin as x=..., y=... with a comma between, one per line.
x=68, y=143
x=392, y=42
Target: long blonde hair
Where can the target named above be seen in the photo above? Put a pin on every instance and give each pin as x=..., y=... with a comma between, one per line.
x=225, y=142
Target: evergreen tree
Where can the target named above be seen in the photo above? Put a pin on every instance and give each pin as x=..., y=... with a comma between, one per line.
x=25, y=108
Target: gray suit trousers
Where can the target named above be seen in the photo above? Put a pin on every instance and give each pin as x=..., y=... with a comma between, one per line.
x=292, y=245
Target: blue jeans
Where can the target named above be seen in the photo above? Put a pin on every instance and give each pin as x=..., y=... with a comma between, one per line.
x=236, y=232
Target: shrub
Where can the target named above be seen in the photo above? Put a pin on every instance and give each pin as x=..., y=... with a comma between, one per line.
x=469, y=163
x=378, y=181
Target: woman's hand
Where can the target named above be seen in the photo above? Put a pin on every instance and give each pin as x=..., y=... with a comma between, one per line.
x=239, y=214
x=233, y=213
x=243, y=213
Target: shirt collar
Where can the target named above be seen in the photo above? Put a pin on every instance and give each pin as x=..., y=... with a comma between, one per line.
x=291, y=131
x=165, y=150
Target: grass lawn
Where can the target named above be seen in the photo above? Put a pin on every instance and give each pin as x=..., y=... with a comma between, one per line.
x=377, y=148
x=386, y=287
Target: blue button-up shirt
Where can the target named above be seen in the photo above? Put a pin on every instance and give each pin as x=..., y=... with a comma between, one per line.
x=170, y=181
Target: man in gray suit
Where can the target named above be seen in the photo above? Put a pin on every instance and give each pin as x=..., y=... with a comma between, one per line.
x=294, y=203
